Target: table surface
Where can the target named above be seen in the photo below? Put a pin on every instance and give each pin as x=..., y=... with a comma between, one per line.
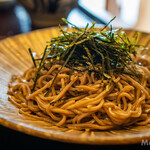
x=14, y=139
x=10, y=25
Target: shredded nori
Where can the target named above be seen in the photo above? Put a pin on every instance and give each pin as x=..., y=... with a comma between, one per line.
x=104, y=51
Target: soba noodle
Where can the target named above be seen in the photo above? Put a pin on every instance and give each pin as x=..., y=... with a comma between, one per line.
x=80, y=100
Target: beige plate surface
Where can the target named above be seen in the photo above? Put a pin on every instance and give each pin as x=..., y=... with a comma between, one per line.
x=15, y=59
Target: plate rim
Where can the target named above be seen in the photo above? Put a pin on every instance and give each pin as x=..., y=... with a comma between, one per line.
x=63, y=136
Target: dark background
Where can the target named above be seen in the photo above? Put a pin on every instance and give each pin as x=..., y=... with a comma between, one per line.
x=13, y=139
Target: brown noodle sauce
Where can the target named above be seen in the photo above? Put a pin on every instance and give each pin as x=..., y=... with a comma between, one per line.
x=82, y=101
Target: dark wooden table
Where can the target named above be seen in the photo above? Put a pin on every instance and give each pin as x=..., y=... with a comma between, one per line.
x=10, y=138
x=10, y=25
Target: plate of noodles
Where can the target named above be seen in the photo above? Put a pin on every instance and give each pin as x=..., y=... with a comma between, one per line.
x=89, y=86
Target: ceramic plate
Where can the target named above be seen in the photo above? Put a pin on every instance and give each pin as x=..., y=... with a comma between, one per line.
x=15, y=59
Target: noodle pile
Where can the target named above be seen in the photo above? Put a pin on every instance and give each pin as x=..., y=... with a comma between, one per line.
x=86, y=80
x=81, y=100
